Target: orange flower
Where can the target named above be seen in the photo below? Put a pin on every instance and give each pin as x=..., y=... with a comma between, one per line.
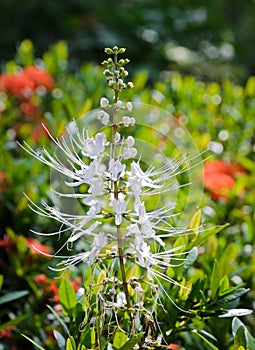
x=37, y=247
x=28, y=108
x=24, y=83
x=39, y=77
x=18, y=84
x=173, y=346
x=219, y=178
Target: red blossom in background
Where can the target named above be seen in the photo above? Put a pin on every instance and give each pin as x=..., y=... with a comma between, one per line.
x=3, y=182
x=174, y=346
x=37, y=247
x=18, y=85
x=7, y=332
x=49, y=287
x=39, y=77
x=219, y=178
x=25, y=83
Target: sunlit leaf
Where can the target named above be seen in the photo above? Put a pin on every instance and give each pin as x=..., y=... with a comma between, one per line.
x=236, y=312
x=67, y=296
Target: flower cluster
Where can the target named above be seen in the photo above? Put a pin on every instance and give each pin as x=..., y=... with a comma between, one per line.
x=106, y=175
x=25, y=84
x=219, y=178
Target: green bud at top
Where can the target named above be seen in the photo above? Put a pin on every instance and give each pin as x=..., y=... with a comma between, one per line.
x=115, y=49
x=108, y=51
x=121, y=50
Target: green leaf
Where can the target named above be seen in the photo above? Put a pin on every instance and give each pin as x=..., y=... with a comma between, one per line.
x=195, y=331
x=119, y=339
x=13, y=296
x=236, y=324
x=70, y=344
x=62, y=323
x=38, y=346
x=60, y=339
x=205, y=234
x=88, y=336
x=1, y=281
x=215, y=279
x=233, y=295
x=67, y=297
x=190, y=259
x=195, y=222
x=236, y=312
x=240, y=338
x=15, y=321
x=132, y=341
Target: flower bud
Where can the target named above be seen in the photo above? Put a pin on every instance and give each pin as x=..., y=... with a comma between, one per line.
x=130, y=141
x=104, y=102
x=108, y=51
x=122, y=50
x=129, y=106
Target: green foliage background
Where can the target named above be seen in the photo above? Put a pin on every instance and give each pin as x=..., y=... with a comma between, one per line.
x=221, y=272
x=190, y=58
x=219, y=34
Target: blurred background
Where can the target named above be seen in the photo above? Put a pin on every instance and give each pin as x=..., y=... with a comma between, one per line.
x=208, y=39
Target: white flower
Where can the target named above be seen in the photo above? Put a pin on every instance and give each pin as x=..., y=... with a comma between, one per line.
x=132, y=120
x=119, y=206
x=130, y=141
x=139, y=179
x=121, y=300
x=126, y=121
x=129, y=106
x=116, y=168
x=92, y=148
x=86, y=232
x=129, y=152
x=96, y=186
x=117, y=137
x=146, y=226
x=104, y=102
x=103, y=117
x=119, y=104
x=100, y=242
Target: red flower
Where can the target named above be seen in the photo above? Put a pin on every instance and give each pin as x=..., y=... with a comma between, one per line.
x=6, y=242
x=39, y=77
x=219, y=178
x=3, y=182
x=7, y=332
x=24, y=83
x=28, y=108
x=37, y=247
x=174, y=346
x=40, y=279
x=18, y=84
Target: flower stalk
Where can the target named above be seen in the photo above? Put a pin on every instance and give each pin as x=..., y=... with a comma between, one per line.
x=116, y=227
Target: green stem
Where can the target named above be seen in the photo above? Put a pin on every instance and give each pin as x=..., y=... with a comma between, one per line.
x=115, y=186
x=122, y=268
x=98, y=325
